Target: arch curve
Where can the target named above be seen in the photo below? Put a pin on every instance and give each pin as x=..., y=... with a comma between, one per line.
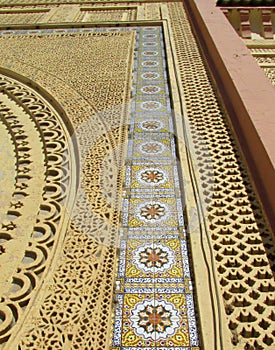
x=39, y=179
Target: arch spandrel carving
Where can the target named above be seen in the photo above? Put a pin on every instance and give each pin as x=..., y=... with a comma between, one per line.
x=85, y=258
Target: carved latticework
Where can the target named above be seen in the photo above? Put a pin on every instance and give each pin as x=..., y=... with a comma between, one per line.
x=243, y=244
x=92, y=12
x=95, y=15
x=265, y=57
x=270, y=73
x=15, y=17
x=38, y=190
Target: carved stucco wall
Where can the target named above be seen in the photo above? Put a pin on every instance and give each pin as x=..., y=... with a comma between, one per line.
x=236, y=224
x=37, y=184
x=85, y=266
x=90, y=77
x=265, y=57
x=86, y=12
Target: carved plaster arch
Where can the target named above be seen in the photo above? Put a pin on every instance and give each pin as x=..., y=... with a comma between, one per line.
x=40, y=180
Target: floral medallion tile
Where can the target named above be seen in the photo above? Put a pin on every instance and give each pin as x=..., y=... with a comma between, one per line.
x=151, y=77
x=150, y=44
x=149, y=36
x=150, y=53
x=154, y=321
x=151, y=125
x=152, y=63
x=152, y=177
x=152, y=147
x=160, y=211
x=154, y=259
x=150, y=89
x=152, y=105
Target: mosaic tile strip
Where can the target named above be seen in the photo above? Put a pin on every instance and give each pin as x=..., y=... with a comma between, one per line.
x=154, y=305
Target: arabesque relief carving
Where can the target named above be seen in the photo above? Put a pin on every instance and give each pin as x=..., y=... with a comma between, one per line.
x=36, y=186
x=266, y=60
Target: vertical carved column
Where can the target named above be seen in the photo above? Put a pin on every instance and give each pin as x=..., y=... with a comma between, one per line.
x=245, y=24
x=267, y=23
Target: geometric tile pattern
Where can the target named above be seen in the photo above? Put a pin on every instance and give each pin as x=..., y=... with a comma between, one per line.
x=154, y=298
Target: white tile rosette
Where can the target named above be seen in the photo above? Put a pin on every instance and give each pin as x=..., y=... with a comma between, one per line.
x=152, y=212
x=154, y=258
x=151, y=147
x=152, y=176
x=155, y=319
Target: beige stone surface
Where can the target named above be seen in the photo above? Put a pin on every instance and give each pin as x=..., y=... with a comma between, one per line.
x=57, y=283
